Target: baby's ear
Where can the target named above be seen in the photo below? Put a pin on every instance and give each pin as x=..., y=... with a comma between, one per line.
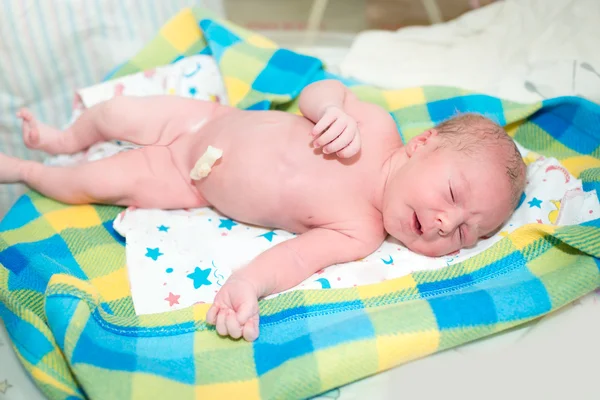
x=419, y=141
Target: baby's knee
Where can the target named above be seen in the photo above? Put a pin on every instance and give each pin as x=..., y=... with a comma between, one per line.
x=112, y=110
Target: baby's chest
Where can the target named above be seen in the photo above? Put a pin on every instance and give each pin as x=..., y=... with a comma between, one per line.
x=321, y=195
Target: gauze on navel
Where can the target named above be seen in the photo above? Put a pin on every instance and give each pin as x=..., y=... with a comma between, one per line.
x=204, y=163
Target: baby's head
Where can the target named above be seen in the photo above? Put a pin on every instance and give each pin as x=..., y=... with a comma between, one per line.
x=452, y=185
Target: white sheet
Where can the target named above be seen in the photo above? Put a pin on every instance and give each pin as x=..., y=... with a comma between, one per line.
x=522, y=50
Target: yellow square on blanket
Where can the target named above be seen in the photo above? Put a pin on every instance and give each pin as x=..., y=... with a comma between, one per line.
x=404, y=97
x=74, y=217
x=230, y=390
x=182, y=31
x=396, y=349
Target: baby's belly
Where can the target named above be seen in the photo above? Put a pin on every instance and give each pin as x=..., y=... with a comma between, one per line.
x=263, y=155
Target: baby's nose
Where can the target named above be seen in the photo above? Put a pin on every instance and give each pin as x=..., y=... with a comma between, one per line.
x=447, y=223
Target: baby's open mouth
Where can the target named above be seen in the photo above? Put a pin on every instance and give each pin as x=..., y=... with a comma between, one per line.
x=416, y=224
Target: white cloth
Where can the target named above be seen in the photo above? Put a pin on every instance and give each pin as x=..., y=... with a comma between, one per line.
x=521, y=50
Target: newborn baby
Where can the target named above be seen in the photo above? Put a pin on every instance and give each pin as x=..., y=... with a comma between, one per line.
x=339, y=177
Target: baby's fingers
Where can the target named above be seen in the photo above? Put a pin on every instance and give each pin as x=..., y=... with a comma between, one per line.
x=324, y=123
x=330, y=134
x=251, y=329
x=246, y=311
x=221, y=324
x=341, y=141
x=233, y=327
x=211, y=315
x=352, y=149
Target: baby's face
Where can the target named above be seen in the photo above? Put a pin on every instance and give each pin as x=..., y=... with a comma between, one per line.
x=441, y=200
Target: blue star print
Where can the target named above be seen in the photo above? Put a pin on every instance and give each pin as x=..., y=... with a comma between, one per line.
x=227, y=224
x=200, y=277
x=163, y=228
x=193, y=91
x=268, y=236
x=535, y=203
x=153, y=253
x=521, y=200
x=389, y=261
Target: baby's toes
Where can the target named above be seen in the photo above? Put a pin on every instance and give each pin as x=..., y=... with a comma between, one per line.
x=31, y=136
x=24, y=114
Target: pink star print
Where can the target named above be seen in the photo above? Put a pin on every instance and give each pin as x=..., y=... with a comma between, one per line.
x=119, y=88
x=172, y=299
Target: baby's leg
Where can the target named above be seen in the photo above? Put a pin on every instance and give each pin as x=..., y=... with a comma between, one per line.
x=139, y=120
x=143, y=178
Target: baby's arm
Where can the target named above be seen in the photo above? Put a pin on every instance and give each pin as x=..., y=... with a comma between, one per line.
x=325, y=103
x=235, y=310
x=318, y=96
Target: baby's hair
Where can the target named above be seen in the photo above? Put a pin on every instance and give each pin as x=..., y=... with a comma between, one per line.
x=470, y=133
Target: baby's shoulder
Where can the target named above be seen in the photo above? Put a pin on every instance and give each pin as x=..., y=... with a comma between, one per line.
x=368, y=229
x=374, y=119
x=360, y=219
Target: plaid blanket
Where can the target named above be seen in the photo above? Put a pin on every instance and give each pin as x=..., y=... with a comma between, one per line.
x=65, y=298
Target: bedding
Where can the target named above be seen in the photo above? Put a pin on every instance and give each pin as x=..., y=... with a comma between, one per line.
x=198, y=249
x=521, y=50
x=78, y=319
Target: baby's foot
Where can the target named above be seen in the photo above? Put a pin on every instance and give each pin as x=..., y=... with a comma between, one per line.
x=10, y=169
x=39, y=136
x=235, y=310
x=31, y=132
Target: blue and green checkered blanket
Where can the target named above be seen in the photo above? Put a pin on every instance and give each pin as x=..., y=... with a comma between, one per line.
x=65, y=298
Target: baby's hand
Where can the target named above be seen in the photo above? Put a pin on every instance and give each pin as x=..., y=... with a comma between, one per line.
x=337, y=132
x=235, y=310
